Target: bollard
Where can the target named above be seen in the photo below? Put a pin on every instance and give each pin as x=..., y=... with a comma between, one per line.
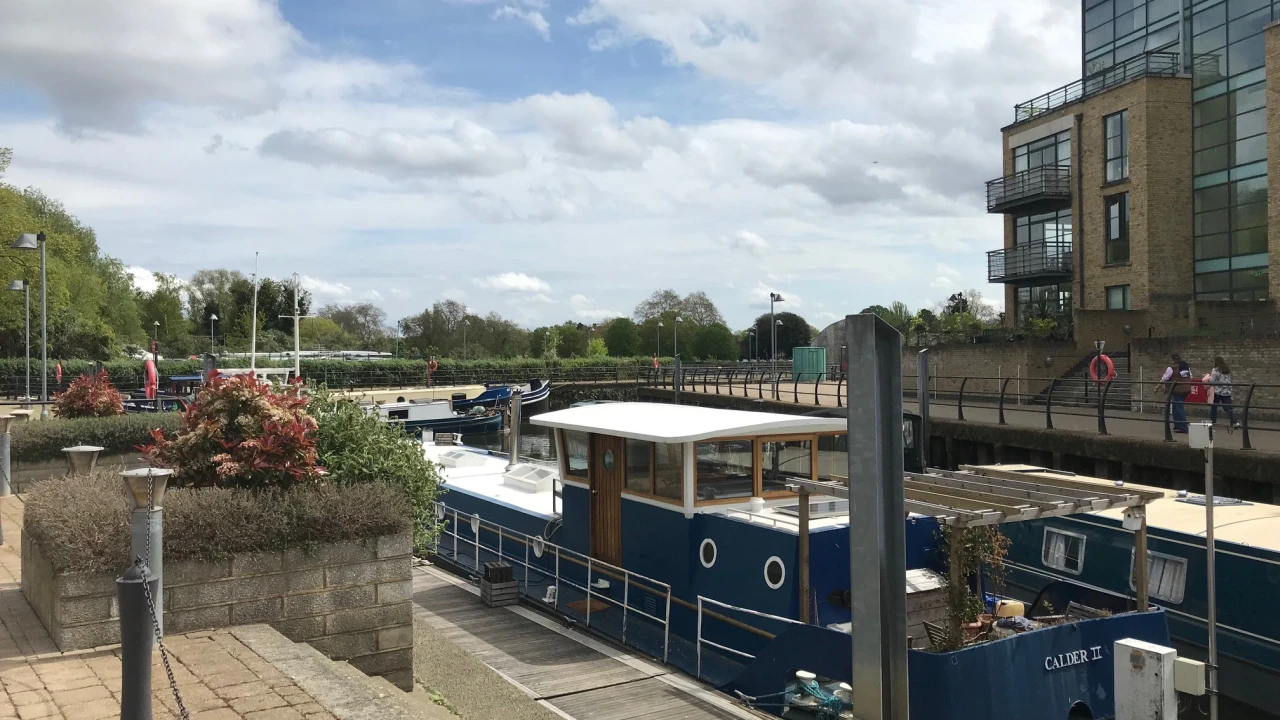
x=81, y=459
x=144, y=489
x=5, y=465
x=137, y=636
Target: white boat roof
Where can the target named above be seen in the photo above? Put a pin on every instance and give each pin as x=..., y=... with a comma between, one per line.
x=657, y=422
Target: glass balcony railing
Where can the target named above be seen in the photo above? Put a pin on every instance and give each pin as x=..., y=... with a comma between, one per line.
x=1044, y=260
x=1039, y=189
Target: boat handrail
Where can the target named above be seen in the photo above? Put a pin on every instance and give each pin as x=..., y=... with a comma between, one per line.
x=628, y=577
x=773, y=521
x=702, y=599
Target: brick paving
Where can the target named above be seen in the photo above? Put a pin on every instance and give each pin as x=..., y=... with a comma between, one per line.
x=218, y=677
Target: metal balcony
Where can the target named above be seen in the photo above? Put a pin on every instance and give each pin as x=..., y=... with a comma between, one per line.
x=1155, y=64
x=1048, y=261
x=1040, y=189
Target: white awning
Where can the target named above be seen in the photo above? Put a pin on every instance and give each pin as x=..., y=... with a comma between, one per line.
x=662, y=423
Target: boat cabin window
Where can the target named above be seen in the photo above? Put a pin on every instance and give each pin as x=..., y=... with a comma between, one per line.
x=1166, y=576
x=640, y=466
x=725, y=469
x=398, y=414
x=1063, y=551
x=783, y=460
x=833, y=457
x=576, y=451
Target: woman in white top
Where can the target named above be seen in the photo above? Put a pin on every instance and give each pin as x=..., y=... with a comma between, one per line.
x=1220, y=379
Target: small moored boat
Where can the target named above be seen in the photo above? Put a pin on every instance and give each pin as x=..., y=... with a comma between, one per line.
x=438, y=416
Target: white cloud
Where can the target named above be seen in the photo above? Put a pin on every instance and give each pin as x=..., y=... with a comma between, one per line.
x=748, y=241
x=456, y=294
x=398, y=293
x=143, y=279
x=947, y=277
x=515, y=283
x=103, y=64
x=466, y=149
x=323, y=289
x=585, y=308
x=758, y=297
x=533, y=17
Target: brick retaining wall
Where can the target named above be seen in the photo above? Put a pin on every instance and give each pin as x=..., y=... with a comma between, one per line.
x=351, y=600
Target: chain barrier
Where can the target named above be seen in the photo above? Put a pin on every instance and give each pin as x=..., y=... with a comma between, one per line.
x=151, y=605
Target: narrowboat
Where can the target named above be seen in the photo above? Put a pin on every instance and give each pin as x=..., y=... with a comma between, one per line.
x=678, y=531
x=1095, y=551
x=438, y=416
x=498, y=394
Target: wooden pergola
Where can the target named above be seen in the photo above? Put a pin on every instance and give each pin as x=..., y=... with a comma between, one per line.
x=977, y=495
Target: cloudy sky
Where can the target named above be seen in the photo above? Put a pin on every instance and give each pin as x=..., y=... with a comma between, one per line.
x=547, y=159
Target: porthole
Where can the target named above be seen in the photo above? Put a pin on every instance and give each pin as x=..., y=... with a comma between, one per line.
x=539, y=546
x=707, y=553
x=774, y=572
x=608, y=460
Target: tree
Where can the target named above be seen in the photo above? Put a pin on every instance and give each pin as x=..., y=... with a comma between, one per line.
x=622, y=338
x=323, y=334
x=572, y=340
x=897, y=314
x=665, y=305
x=597, y=348
x=365, y=322
x=696, y=307
x=715, y=342
x=659, y=304
x=793, y=333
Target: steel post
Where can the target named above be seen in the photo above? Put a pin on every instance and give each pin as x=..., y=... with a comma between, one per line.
x=5, y=486
x=876, y=532
x=675, y=379
x=1210, y=571
x=922, y=397
x=137, y=638
x=147, y=541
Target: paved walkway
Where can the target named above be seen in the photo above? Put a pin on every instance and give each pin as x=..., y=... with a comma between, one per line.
x=218, y=677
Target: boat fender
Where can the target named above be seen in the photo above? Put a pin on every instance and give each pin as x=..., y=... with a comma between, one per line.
x=756, y=504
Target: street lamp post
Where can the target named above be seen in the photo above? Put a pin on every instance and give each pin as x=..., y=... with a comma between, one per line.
x=25, y=287
x=659, y=352
x=32, y=241
x=212, y=318
x=675, y=329
x=773, y=325
x=155, y=340
x=751, y=336
x=464, y=338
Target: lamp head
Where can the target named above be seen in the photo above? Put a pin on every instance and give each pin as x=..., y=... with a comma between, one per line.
x=679, y=319
x=776, y=297
x=213, y=317
x=138, y=482
x=26, y=241
x=18, y=285
x=660, y=324
x=778, y=323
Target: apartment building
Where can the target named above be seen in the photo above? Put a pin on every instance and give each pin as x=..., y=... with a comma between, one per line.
x=1136, y=198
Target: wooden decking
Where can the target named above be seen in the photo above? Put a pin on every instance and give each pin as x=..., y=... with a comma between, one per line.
x=570, y=673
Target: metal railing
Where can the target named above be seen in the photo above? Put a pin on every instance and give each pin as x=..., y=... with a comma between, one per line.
x=1152, y=64
x=540, y=548
x=1048, y=257
x=703, y=641
x=1046, y=182
x=996, y=398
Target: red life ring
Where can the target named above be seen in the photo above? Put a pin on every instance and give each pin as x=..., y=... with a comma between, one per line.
x=152, y=382
x=432, y=365
x=1106, y=362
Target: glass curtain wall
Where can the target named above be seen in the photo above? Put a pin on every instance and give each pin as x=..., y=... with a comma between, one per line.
x=1118, y=30
x=1230, y=143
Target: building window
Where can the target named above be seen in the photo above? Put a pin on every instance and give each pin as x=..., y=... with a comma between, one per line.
x=1063, y=551
x=1118, y=228
x=1044, y=302
x=1118, y=297
x=1052, y=227
x=1117, y=134
x=640, y=466
x=668, y=471
x=726, y=469
x=1052, y=150
x=784, y=460
x=1166, y=576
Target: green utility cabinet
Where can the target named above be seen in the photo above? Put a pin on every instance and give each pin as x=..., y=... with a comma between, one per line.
x=808, y=364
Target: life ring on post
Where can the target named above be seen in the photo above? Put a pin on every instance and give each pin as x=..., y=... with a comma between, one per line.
x=1106, y=363
x=432, y=365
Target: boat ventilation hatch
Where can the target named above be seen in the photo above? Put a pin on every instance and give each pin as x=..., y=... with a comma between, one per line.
x=461, y=458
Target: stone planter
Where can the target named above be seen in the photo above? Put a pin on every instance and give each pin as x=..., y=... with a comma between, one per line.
x=351, y=600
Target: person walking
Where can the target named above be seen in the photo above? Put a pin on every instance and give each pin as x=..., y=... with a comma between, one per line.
x=1177, y=382
x=1220, y=379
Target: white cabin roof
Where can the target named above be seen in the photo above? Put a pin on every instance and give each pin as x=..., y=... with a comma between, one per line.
x=657, y=422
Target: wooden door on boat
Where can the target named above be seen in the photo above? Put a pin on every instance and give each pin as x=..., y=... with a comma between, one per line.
x=606, y=475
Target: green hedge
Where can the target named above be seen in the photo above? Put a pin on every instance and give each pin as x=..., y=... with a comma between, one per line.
x=129, y=373
x=39, y=440
x=82, y=523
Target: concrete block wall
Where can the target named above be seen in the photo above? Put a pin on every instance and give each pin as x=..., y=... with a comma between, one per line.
x=1028, y=360
x=351, y=600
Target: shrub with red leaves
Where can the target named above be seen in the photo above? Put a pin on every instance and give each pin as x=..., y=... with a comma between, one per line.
x=89, y=396
x=241, y=433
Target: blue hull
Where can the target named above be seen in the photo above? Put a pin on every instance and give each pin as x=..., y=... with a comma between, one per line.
x=495, y=395
x=664, y=545
x=462, y=425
